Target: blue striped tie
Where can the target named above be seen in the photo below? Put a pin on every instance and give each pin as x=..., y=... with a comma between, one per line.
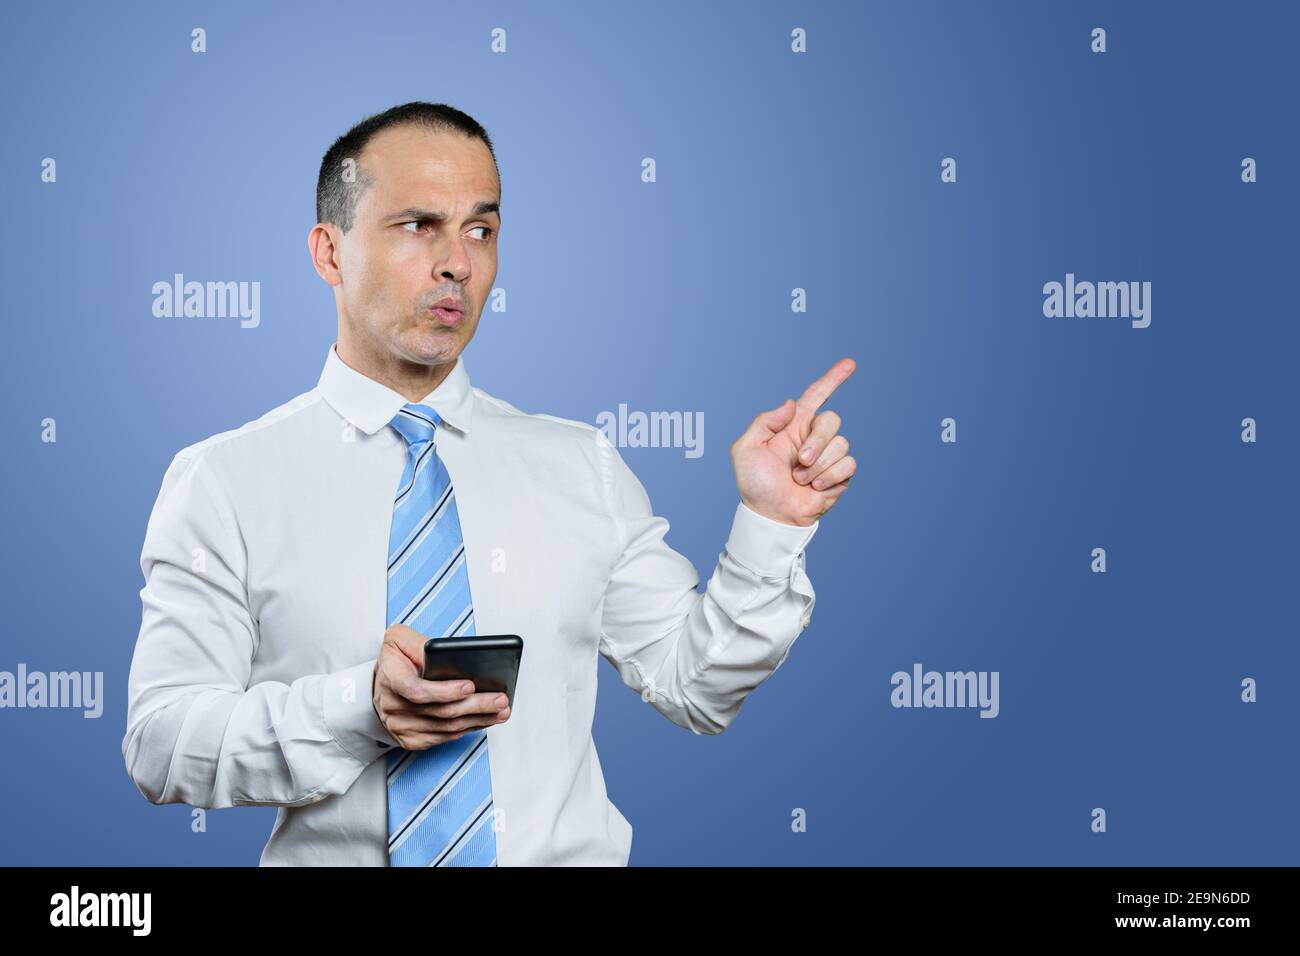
x=440, y=799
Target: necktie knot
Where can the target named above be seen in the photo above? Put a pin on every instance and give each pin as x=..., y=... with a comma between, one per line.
x=416, y=423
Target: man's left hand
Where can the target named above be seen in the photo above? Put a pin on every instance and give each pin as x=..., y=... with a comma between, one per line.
x=791, y=463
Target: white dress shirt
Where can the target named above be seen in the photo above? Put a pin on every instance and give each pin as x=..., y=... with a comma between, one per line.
x=265, y=603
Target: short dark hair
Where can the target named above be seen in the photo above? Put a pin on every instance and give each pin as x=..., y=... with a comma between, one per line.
x=336, y=199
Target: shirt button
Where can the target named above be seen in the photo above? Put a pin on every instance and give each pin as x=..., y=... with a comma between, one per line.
x=807, y=621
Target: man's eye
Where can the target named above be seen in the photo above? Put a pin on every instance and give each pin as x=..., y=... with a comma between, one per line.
x=420, y=223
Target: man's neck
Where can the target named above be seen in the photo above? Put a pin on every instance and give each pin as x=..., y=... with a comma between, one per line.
x=410, y=379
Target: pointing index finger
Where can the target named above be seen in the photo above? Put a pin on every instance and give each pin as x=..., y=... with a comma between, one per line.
x=815, y=395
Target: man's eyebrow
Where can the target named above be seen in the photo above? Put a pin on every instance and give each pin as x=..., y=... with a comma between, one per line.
x=415, y=212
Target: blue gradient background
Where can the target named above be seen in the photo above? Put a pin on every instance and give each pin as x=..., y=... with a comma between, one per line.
x=775, y=171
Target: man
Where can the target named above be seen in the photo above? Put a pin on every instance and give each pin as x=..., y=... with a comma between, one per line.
x=295, y=566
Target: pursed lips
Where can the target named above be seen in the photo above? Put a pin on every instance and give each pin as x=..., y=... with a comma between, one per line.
x=448, y=314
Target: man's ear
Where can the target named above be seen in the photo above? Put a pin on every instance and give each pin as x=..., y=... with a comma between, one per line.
x=326, y=252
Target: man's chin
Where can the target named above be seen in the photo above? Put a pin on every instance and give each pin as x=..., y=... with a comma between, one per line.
x=433, y=346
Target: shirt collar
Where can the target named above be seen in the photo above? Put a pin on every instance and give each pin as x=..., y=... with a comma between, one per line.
x=371, y=405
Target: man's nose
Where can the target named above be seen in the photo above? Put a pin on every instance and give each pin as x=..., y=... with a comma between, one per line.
x=452, y=261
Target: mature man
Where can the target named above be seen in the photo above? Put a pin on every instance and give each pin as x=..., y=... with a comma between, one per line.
x=295, y=566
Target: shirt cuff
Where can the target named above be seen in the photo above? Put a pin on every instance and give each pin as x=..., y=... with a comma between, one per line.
x=767, y=547
x=350, y=714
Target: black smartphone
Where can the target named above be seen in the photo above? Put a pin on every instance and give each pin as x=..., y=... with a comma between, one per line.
x=490, y=661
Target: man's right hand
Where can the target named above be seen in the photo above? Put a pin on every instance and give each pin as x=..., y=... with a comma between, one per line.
x=422, y=713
